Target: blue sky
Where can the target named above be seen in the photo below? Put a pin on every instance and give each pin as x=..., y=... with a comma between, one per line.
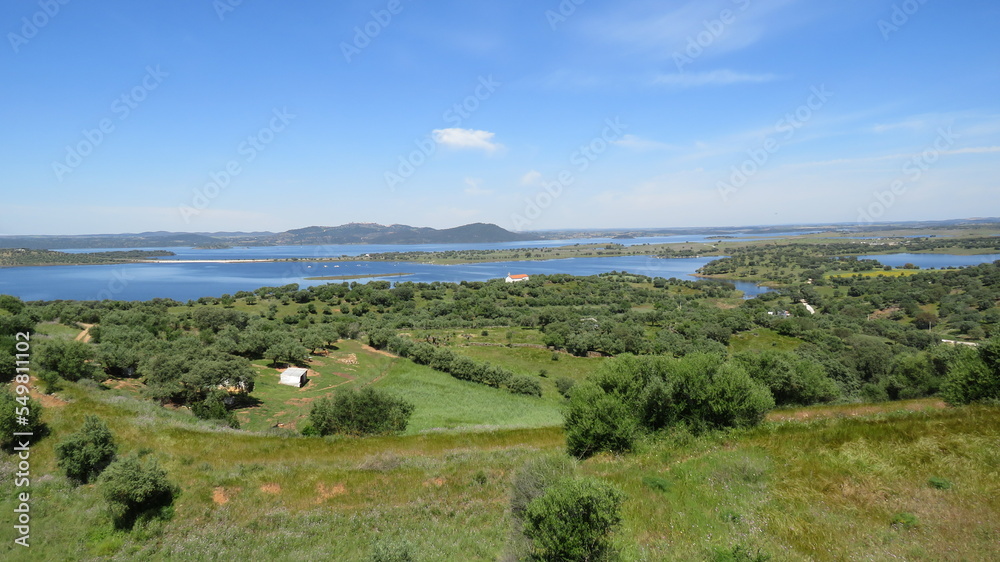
x=224, y=115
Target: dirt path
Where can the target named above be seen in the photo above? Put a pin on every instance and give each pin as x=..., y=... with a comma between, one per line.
x=379, y=351
x=84, y=336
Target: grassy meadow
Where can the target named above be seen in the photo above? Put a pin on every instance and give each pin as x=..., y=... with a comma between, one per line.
x=891, y=481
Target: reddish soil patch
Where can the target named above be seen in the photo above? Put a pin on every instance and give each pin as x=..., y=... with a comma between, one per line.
x=221, y=497
x=371, y=349
x=323, y=493
x=123, y=384
x=271, y=488
x=49, y=401
x=437, y=482
x=84, y=336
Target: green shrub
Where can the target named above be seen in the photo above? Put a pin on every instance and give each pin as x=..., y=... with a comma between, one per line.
x=905, y=521
x=368, y=411
x=392, y=550
x=85, y=454
x=136, y=491
x=597, y=421
x=521, y=384
x=573, y=519
x=939, y=483
x=565, y=385
x=974, y=376
x=70, y=359
x=531, y=480
x=657, y=483
x=14, y=408
x=213, y=407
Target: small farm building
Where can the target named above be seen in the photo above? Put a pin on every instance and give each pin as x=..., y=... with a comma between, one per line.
x=294, y=377
x=516, y=278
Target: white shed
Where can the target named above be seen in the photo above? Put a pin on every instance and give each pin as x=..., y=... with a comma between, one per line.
x=294, y=377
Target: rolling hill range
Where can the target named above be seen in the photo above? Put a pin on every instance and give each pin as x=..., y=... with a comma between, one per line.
x=354, y=233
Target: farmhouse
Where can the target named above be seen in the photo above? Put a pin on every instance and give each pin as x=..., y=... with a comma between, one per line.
x=516, y=278
x=294, y=377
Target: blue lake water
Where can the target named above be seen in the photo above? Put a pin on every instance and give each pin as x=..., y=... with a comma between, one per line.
x=183, y=281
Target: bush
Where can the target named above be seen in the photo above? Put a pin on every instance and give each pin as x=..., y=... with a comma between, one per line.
x=904, y=521
x=597, y=421
x=939, y=483
x=573, y=519
x=213, y=407
x=85, y=454
x=974, y=376
x=564, y=385
x=366, y=412
x=521, y=384
x=531, y=480
x=70, y=359
x=13, y=409
x=392, y=550
x=136, y=491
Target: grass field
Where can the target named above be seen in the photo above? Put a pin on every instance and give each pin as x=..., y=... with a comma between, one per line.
x=441, y=402
x=762, y=338
x=836, y=488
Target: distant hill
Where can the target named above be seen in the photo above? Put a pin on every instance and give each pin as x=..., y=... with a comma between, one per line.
x=368, y=233
x=354, y=233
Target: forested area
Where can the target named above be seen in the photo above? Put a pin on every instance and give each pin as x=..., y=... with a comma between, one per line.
x=871, y=338
x=22, y=257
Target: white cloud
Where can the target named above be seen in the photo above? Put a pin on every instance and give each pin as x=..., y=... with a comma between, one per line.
x=711, y=78
x=466, y=138
x=475, y=187
x=533, y=178
x=638, y=143
x=664, y=29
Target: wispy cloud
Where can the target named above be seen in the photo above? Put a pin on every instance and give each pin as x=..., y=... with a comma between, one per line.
x=652, y=28
x=474, y=186
x=466, y=139
x=533, y=178
x=901, y=156
x=711, y=78
x=637, y=143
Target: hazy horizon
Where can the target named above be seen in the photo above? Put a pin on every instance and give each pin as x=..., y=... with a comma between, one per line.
x=237, y=116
